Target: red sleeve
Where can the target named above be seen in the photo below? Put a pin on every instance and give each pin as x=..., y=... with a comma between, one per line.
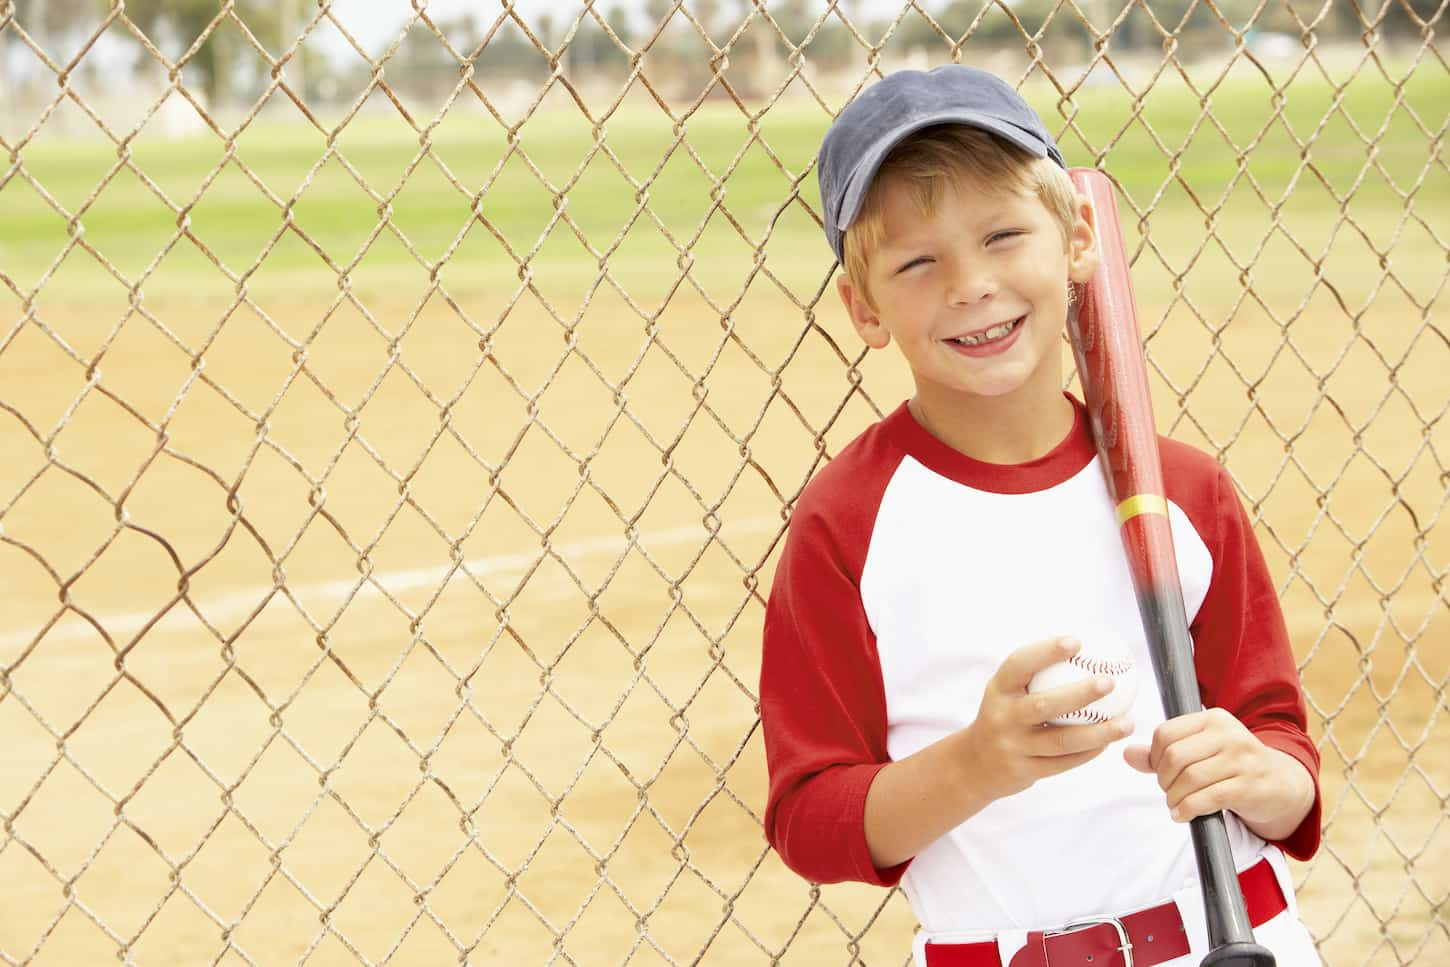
x=1242, y=652
x=822, y=703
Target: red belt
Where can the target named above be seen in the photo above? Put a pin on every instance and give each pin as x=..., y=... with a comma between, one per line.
x=1153, y=936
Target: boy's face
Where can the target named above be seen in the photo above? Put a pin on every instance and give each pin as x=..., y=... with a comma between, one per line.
x=991, y=267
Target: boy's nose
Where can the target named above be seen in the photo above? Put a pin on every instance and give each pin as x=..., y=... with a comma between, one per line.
x=970, y=285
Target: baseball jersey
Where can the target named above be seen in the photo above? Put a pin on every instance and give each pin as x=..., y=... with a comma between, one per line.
x=909, y=573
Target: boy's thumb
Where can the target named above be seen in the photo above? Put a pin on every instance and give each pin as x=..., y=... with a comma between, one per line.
x=1137, y=757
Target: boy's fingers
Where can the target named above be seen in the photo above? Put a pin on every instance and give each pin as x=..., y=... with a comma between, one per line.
x=1136, y=756
x=1063, y=763
x=1182, y=755
x=1076, y=739
x=1172, y=731
x=1018, y=668
x=1200, y=775
x=1044, y=706
x=1209, y=799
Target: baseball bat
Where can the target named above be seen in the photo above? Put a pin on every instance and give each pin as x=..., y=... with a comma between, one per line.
x=1109, y=352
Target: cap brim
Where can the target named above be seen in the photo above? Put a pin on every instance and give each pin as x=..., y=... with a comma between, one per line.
x=865, y=171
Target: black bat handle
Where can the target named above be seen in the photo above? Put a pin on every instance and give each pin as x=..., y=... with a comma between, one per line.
x=1230, y=935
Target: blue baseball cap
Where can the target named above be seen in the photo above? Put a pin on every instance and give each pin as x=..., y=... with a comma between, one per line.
x=884, y=114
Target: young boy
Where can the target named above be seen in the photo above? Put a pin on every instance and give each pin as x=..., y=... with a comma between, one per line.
x=966, y=541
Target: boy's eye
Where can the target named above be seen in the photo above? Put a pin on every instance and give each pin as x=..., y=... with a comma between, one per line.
x=919, y=260
x=999, y=236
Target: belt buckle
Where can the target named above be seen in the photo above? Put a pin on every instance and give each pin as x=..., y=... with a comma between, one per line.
x=1125, y=946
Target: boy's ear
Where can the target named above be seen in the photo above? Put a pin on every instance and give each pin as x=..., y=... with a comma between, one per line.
x=1082, y=243
x=863, y=317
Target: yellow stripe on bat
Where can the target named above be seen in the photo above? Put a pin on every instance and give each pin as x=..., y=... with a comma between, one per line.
x=1141, y=504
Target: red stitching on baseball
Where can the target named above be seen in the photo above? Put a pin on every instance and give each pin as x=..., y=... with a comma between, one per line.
x=1086, y=714
x=1095, y=666
x=1102, y=666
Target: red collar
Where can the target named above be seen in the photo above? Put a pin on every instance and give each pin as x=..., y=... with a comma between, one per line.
x=1060, y=464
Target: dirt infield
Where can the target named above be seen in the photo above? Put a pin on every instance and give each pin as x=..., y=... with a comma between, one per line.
x=552, y=752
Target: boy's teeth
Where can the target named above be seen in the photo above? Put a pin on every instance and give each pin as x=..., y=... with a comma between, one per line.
x=996, y=332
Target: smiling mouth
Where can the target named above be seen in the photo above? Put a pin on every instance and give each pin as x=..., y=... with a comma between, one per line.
x=989, y=335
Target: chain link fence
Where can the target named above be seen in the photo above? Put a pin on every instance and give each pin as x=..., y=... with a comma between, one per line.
x=400, y=423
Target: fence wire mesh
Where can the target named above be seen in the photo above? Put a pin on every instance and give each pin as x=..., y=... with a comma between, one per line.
x=400, y=425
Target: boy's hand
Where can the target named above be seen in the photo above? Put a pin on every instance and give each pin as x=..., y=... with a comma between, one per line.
x=1207, y=761
x=1011, y=748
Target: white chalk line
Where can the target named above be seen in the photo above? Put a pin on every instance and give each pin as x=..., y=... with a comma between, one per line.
x=225, y=610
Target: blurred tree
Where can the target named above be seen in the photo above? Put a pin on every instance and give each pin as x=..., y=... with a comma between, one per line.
x=544, y=29
x=1242, y=14
x=46, y=21
x=795, y=18
x=1180, y=18
x=855, y=12
x=592, y=52
x=510, y=55
x=1202, y=23
x=661, y=54
x=680, y=55
x=617, y=16
x=1403, y=19
x=422, y=65
x=707, y=12
x=182, y=21
x=1047, y=21
x=658, y=10
x=761, y=46
x=833, y=47
x=959, y=16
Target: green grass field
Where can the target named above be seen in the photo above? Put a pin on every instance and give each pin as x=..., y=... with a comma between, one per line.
x=232, y=215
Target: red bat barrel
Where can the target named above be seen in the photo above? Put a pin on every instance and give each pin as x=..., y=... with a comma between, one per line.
x=1114, y=376
x=1109, y=351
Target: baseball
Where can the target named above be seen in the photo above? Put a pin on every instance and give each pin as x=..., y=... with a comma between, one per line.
x=1101, y=654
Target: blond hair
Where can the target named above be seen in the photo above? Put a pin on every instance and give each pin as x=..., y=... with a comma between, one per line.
x=953, y=156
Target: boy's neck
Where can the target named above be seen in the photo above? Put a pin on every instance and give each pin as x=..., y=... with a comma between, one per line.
x=1001, y=430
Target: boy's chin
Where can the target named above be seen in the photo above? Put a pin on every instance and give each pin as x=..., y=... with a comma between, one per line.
x=999, y=391
x=968, y=394
x=1021, y=388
